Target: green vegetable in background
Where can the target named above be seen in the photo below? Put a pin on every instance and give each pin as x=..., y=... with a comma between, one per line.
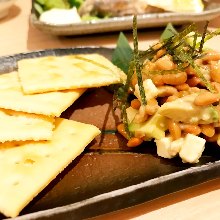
x=44, y=5
x=76, y=3
x=39, y=9
x=49, y=4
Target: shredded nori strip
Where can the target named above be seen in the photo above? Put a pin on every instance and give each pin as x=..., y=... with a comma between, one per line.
x=120, y=98
x=211, y=35
x=163, y=72
x=203, y=37
x=202, y=77
x=138, y=65
x=178, y=37
x=194, y=44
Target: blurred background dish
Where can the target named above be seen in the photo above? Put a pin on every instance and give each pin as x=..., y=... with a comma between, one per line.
x=117, y=8
x=5, y=5
x=96, y=19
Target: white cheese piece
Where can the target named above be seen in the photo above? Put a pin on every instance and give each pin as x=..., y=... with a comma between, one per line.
x=60, y=16
x=163, y=147
x=131, y=113
x=150, y=89
x=176, y=146
x=167, y=148
x=192, y=148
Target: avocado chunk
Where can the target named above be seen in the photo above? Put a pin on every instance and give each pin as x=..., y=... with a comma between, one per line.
x=154, y=127
x=184, y=110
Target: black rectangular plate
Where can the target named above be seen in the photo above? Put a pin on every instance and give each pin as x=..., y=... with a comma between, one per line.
x=108, y=176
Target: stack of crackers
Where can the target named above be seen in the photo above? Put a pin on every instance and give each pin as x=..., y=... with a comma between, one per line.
x=35, y=144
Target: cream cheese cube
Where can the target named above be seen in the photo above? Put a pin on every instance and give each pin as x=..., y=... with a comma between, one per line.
x=167, y=148
x=192, y=148
x=150, y=89
x=163, y=147
x=176, y=146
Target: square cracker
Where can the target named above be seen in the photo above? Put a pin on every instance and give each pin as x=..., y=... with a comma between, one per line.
x=53, y=73
x=20, y=126
x=51, y=103
x=27, y=169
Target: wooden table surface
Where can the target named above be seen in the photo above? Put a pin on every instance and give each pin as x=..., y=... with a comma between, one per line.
x=199, y=202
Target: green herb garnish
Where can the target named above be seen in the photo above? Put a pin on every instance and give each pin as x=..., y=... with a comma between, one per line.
x=123, y=53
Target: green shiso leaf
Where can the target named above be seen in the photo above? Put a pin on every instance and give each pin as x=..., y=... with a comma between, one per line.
x=122, y=54
x=169, y=31
x=50, y=4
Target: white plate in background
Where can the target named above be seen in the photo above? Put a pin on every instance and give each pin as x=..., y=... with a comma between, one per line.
x=211, y=11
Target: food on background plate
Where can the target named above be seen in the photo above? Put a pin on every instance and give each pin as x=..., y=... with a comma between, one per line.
x=73, y=11
x=172, y=94
x=60, y=16
x=26, y=168
x=117, y=8
x=178, y=5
